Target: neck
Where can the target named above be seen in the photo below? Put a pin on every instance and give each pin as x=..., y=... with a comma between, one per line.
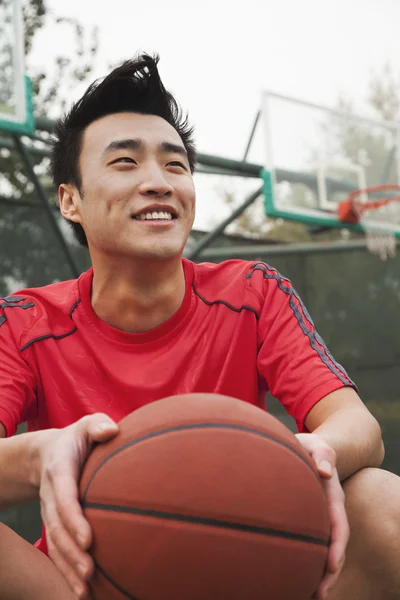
x=137, y=297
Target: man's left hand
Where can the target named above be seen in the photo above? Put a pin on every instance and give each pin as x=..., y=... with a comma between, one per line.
x=324, y=458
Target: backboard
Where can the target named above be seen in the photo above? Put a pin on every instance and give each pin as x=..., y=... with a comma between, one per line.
x=316, y=156
x=16, y=112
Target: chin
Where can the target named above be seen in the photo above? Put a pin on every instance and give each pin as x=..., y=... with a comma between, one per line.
x=161, y=253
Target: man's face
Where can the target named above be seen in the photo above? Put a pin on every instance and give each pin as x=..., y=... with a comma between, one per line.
x=138, y=197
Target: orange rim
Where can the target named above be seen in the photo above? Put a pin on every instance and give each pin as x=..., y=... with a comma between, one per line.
x=351, y=210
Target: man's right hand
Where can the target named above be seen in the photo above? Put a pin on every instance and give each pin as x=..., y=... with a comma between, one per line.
x=61, y=457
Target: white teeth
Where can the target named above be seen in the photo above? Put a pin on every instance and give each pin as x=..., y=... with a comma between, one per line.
x=166, y=216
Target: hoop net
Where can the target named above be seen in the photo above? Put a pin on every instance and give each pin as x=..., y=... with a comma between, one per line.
x=379, y=217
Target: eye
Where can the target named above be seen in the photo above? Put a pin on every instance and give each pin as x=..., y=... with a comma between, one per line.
x=176, y=163
x=125, y=159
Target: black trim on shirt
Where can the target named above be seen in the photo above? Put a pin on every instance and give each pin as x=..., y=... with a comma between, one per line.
x=13, y=299
x=304, y=321
x=13, y=302
x=234, y=308
x=52, y=335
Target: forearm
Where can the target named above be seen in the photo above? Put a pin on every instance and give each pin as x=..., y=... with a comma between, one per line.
x=20, y=468
x=355, y=435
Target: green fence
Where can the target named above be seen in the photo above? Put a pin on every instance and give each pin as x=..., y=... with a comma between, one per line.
x=354, y=300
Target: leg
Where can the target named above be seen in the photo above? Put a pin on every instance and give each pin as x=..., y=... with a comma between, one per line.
x=372, y=567
x=26, y=573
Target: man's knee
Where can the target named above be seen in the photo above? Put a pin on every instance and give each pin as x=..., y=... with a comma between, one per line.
x=373, y=492
x=373, y=509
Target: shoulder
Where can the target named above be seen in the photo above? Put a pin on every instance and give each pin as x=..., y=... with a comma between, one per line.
x=32, y=312
x=266, y=279
x=238, y=283
x=241, y=276
x=254, y=285
x=220, y=274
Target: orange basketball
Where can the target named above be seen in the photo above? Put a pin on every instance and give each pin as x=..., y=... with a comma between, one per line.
x=204, y=497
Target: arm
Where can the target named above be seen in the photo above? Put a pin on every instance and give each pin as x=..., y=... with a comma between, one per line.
x=18, y=403
x=19, y=466
x=344, y=438
x=318, y=393
x=292, y=358
x=47, y=464
x=346, y=425
x=303, y=375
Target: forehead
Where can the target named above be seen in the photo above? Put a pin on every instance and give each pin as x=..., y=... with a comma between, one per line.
x=150, y=128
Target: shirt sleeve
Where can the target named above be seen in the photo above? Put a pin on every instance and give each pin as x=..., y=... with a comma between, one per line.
x=293, y=359
x=17, y=381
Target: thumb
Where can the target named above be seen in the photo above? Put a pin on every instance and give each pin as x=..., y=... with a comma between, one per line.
x=323, y=455
x=325, y=461
x=101, y=428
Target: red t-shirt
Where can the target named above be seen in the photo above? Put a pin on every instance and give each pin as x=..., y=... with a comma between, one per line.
x=241, y=330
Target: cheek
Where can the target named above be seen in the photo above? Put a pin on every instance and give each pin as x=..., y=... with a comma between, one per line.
x=107, y=194
x=189, y=193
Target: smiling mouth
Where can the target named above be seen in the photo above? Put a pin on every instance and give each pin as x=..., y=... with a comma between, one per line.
x=155, y=216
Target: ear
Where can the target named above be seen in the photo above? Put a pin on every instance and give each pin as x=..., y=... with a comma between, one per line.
x=70, y=202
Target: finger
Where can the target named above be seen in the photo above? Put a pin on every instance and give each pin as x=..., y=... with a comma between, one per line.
x=69, y=510
x=98, y=427
x=79, y=561
x=78, y=587
x=61, y=539
x=59, y=485
x=339, y=539
x=324, y=459
x=326, y=584
x=63, y=475
x=339, y=535
x=340, y=530
x=328, y=580
x=323, y=456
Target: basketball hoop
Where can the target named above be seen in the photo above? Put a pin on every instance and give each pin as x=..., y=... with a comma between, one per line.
x=380, y=218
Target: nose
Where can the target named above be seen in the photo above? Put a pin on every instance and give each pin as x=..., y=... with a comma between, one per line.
x=154, y=183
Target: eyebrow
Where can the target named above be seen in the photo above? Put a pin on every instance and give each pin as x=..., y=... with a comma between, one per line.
x=139, y=144
x=167, y=147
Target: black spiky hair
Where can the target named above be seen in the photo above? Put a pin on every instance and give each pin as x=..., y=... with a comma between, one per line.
x=134, y=86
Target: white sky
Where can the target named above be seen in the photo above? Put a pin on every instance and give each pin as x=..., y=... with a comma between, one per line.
x=217, y=55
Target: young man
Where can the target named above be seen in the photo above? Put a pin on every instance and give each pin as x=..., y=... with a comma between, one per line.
x=143, y=324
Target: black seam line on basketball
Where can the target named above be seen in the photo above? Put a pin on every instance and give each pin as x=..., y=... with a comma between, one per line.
x=234, y=308
x=219, y=524
x=52, y=335
x=192, y=426
x=114, y=583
